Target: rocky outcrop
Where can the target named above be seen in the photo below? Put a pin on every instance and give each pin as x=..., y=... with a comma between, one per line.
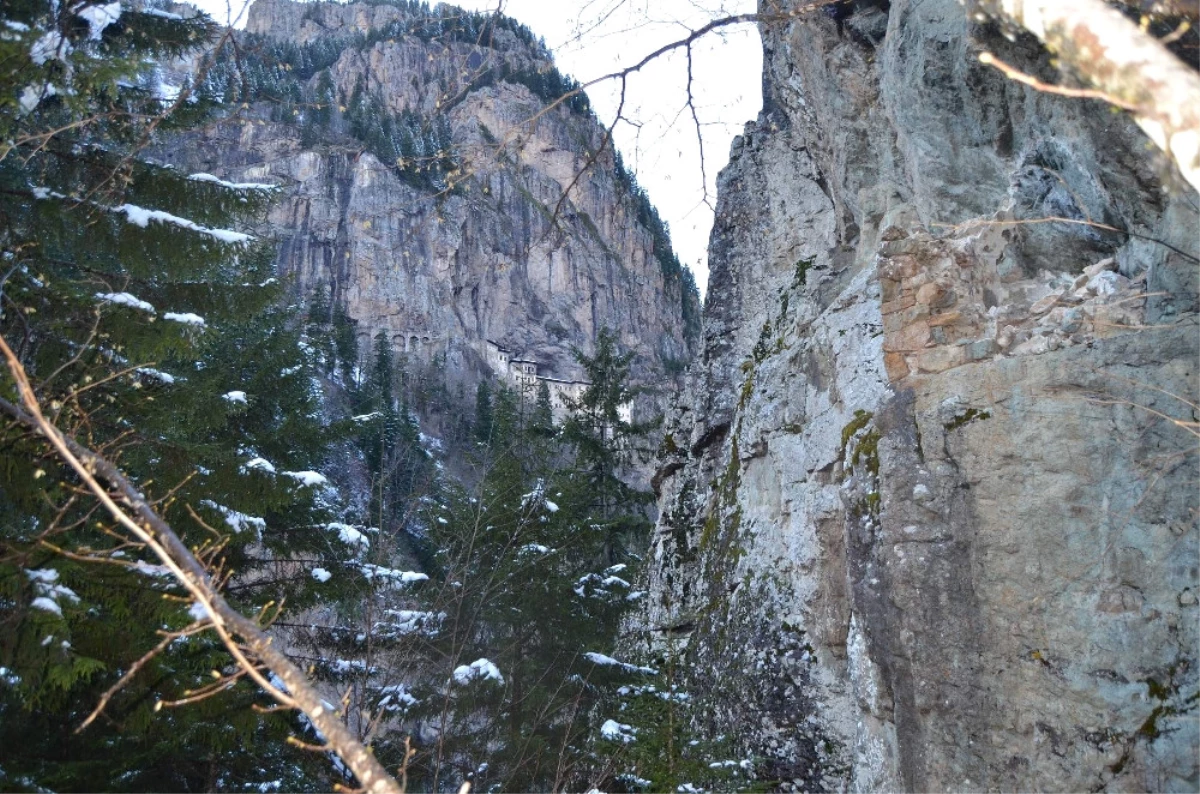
x=929, y=515
x=533, y=241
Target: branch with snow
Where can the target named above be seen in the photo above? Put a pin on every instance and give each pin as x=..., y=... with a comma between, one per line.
x=232, y=185
x=141, y=216
x=478, y=670
x=255, y=649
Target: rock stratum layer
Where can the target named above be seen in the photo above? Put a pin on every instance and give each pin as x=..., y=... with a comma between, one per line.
x=530, y=240
x=929, y=504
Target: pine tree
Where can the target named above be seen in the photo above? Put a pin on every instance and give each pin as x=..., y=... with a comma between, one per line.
x=483, y=412
x=151, y=331
x=515, y=680
x=604, y=444
x=542, y=422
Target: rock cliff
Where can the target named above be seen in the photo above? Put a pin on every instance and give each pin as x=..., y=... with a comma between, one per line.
x=929, y=502
x=497, y=222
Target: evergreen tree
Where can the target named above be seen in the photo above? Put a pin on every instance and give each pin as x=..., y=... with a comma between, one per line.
x=542, y=422
x=151, y=330
x=604, y=444
x=514, y=679
x=483, y=412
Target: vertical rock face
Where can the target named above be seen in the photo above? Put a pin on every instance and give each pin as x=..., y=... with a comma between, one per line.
x=929, y=505
x=538, y=245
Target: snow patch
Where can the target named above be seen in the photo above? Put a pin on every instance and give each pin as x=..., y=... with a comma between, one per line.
x=99, y=17
x=411, y=621
x=258, y=463
x=231, y=185
x=146, y=569
x=238, y=521
x=321, y=575
x=187, y=318
x=349, y=535
x=310, y=478
x=47, y=604
x=157, y=374
x=395, y=577
x=125, y=299
x=396, y=698
x=480, y=669
x=30, y=97
x=607, y=661
x=141, y=216
x=50, y=46
x=48, y=591
x=234, y=397
x=618, y=731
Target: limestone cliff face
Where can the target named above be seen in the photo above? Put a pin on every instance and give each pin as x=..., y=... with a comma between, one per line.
x=929, y=505
x=536, y=247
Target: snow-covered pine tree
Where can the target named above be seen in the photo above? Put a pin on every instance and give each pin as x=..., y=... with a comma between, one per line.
x=509, y=676
x=153, y=332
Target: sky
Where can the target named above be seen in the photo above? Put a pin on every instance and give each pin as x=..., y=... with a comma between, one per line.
x=658, y=136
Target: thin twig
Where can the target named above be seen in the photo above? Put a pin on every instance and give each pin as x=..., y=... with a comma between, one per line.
x=1013, y=73
x=1075, y=221
x=123, y=680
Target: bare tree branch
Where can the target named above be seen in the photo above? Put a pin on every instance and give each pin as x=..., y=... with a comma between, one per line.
x=1127, y=65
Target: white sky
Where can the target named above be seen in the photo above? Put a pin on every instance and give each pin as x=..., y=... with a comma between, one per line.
x=591, y=38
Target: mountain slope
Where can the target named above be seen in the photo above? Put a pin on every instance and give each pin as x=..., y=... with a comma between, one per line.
x=431, y=190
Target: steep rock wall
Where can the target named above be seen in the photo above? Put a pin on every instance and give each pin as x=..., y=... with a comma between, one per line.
x=929, y=503
x=537, y=248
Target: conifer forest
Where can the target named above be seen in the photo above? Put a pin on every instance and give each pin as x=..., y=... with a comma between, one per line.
x=453, y=598
x=361, y=429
